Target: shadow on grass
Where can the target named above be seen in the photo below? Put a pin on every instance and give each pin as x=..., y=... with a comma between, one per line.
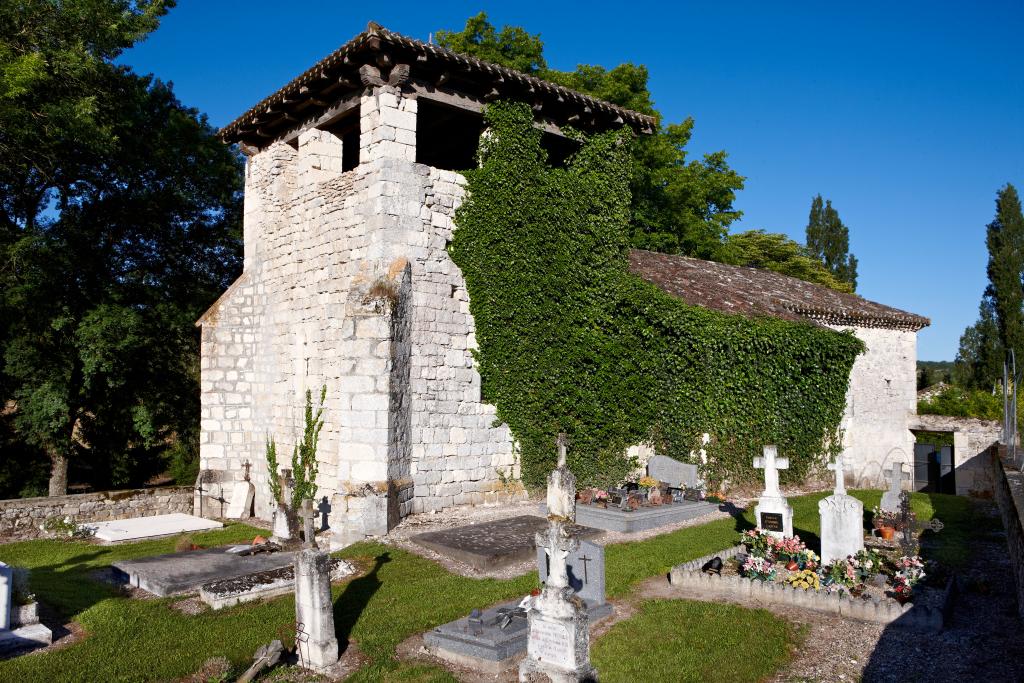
x=740, y=522
x=68, y=588
x=354, y=599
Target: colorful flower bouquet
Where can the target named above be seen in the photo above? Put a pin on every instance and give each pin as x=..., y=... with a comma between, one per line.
x=648, y=483
x=805, y=579
x=759, y=568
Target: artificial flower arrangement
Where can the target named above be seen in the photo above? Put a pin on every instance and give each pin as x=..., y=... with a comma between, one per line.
x=883, y=518
x=600, y=494
x=805, y=579
x=648, y=483
x=759, y=568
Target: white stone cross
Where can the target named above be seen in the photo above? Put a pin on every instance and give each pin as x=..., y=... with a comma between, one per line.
x=895, y=474
x=771, y=463
x=838, y=466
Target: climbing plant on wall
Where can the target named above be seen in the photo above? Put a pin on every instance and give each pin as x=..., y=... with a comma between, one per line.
x=570, y=340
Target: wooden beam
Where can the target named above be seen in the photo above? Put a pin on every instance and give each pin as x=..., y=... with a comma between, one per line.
x=326, y=118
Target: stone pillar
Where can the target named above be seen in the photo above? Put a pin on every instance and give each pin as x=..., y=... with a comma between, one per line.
x=558, y=641
x=6, y=589
x=314, y=610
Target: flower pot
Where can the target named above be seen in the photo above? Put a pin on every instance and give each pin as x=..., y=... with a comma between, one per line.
x=792, y=566
x=887, y=533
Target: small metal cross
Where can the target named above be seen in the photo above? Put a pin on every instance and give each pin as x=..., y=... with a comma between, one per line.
x=910, y=525
x=584, y=559
x=247, y=465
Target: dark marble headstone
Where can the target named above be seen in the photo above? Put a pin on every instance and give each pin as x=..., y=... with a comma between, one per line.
x=585, y=567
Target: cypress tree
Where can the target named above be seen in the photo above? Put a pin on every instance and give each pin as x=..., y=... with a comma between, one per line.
x=828, y=240
x=1005, y=240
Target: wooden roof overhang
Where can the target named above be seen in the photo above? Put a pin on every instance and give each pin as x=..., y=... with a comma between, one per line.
x=332, y=87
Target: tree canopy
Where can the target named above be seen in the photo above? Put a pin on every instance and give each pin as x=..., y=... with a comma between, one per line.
x=828, y=240
x=776, y=252
x=678, y=205
x=1000, y=325
x=119, y=224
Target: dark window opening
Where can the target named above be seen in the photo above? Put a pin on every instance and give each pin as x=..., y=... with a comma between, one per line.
x=447, y=137
x=347, y=129
x=559, y=149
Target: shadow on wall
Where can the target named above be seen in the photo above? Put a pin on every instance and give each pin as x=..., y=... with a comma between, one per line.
x=872, y=476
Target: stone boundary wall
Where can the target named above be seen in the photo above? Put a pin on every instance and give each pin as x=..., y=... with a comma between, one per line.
x=21, y=517
x=689, y=575
x=1009, y=494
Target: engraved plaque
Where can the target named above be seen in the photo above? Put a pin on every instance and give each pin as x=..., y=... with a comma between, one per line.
x=550, y=642
x=771, y=521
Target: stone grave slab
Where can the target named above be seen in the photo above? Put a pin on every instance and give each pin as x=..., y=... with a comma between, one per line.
x=138, y=528
x=185, y=572
x=631, y=521
x=480, y=642
x=491, y=545
x=676, y=474
x=261, y=585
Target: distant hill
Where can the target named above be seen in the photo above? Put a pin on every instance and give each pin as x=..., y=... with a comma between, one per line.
x=932, y=372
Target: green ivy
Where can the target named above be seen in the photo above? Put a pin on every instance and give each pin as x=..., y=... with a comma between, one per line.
x=569, y=340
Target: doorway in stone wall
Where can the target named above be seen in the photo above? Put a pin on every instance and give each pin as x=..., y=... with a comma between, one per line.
x=934, y=463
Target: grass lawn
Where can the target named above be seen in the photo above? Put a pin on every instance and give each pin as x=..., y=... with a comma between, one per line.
x=399, y=595
x=686, y=641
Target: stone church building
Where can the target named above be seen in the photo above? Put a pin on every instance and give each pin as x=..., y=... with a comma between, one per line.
x=351, y=185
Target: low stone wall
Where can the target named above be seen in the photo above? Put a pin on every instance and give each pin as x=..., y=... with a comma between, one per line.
x=22, y=517
x=689, y=575
x=1009, y=494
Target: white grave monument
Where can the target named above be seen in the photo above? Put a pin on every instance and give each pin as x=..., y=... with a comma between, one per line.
x=773, y=511
x=558, y=644
x=315, y=639
x=242, y=493
x=891, y=498
x=842, y=520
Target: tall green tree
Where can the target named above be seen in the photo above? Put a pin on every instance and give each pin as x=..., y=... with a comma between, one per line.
x=1004, y=237
x=979, y=360
x=776, y=252
x=828, y=240
x=679, y=205
x=119, y=224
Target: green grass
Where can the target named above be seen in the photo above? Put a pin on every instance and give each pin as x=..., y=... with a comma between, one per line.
x=683, y=640
x=399, y=595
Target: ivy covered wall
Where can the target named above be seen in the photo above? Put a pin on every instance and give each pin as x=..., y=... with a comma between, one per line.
x=569, y=340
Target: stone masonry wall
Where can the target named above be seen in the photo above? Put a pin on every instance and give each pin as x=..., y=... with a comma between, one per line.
x=881, y=399
x=972, y=441
x=1009, y=494
x=348, y=283
x=22, y=517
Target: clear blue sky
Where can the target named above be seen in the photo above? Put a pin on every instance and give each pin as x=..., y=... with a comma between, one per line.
x=907, y=115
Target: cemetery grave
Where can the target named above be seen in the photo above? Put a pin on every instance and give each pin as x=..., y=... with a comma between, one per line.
x=139, y=528
x=488, y=545
x=669, y=493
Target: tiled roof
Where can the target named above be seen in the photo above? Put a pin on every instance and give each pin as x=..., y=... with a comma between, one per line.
x=752, y=292
x=381, y=50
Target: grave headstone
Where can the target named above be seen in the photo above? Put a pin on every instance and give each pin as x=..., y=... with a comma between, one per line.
x=773, y=512
x=842, y=520
x=558, y=643
x=240, y=505
x=891, y=498
x=680, y=475
x=585, y=569
x=315, y=638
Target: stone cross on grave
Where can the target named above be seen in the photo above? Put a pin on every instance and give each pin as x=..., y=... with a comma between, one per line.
x=563, y=443
x=771, y=463
x=308, y=515
x=246, y=465
x=558, y=543
x=838, y=466
x=891, y=498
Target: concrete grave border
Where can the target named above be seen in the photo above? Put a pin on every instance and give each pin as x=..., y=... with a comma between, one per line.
x=888, y=611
